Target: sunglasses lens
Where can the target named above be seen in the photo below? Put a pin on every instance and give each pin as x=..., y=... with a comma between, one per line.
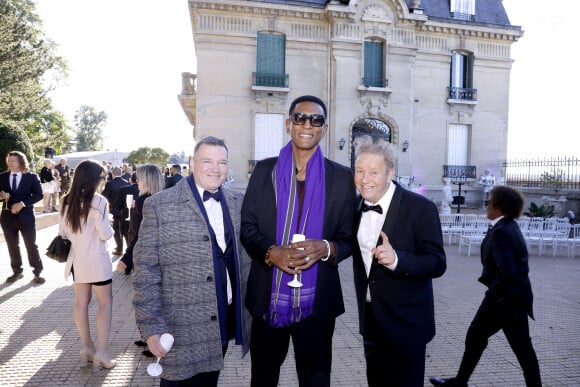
x=299, y=118
x=317, y=120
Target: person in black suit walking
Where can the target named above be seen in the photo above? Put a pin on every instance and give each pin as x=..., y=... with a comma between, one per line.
x=509, y=298
x=121, y=205
x=398, y=250
x=111, y=192
x=299, y=192
x=175, y=176
x=19, y=190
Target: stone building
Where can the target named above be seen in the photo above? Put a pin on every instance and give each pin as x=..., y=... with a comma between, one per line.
x=430, y=76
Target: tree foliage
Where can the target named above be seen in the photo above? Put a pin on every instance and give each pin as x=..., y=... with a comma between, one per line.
x=88, y=126
x=12, y=138
x=148, y=155
x=27, y=60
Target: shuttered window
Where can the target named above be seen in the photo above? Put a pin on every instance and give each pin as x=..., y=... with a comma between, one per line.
x=270, y=59
x=374, y=69
x=268, y=135
x=458, y=144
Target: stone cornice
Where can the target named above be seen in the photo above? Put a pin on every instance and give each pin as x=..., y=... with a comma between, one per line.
x=334, y=13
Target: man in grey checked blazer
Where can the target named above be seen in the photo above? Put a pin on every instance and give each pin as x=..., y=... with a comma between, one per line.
x=191, y=271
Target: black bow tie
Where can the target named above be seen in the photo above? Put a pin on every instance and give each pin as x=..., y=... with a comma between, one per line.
x=217, y=195
x=377, y=208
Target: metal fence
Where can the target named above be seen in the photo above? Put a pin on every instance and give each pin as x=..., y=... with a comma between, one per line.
x=534, y=173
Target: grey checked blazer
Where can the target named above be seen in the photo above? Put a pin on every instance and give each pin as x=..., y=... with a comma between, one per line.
x=174, y=280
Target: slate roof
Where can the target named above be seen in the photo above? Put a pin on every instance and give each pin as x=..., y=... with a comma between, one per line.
x=487, y=12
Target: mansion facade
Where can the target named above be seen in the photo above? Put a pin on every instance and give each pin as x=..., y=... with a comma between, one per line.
x=430, y=76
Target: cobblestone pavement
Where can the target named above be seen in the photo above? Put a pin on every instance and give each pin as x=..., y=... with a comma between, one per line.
x=39, y=343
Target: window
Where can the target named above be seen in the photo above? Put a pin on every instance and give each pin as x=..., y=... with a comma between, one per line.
x=462, y=76
x=462, y=9
x=271, y=60
x=374, y=67
x=268, y=135
x=457, y=144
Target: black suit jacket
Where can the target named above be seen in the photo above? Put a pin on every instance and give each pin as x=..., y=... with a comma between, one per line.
x=172, y=180
x=121, y=201
x=504, y=256
x=29, y=192
x=402, y=299
x=258, y=233
x=111, y=192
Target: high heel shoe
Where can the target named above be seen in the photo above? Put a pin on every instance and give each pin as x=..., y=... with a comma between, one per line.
x=101, y=361
x=87, y=355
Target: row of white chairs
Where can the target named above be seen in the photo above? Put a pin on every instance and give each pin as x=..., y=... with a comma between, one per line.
x=468, y=231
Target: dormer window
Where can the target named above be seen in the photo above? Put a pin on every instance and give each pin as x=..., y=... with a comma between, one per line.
x=462, y=9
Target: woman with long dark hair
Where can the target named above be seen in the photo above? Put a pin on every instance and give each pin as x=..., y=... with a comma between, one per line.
x=85, y=222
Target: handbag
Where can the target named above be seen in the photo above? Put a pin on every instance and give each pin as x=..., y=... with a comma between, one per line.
x=58, y=249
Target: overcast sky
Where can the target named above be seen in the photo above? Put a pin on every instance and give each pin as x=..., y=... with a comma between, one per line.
x=126, y=58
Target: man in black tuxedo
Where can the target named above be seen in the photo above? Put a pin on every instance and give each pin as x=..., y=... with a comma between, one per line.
x=509, y=298
x=298, y=192
x=121, y=205
x=111, y=192
x=398, y=250
x=19, y=190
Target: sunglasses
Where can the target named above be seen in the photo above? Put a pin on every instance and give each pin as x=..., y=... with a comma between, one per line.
x=316, y=120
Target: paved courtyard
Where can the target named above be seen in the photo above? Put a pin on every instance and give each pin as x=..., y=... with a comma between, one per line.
x=39, y=343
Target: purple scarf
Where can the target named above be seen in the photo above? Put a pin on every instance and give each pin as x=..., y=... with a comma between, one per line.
x=290, y=305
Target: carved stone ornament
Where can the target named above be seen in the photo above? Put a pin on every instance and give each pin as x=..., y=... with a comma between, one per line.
x=376, y=12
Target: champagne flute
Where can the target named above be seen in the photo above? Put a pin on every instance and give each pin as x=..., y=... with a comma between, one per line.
x=155, y=369
x=129, y=202
x=295, y=283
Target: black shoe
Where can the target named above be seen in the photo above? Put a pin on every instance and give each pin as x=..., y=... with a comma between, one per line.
x=447, y=382
x=140, y=343
x=14, y=278
x=39, y=279
x=147, y=353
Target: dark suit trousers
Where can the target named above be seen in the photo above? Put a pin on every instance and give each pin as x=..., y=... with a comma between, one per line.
x=312, y=340
x=388, y=365
x=512, y=318
x=25, y=224
x=117, y=235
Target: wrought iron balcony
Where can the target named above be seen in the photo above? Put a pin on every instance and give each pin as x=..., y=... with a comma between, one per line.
x=270, y=79
x=462, y=16
x=462, y=93
x=458, y=170
x=375, y=82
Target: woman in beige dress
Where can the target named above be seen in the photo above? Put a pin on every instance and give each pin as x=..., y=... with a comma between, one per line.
x=85, y=222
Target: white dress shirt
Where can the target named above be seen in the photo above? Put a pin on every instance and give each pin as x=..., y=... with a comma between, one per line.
x=371, y=224
x=215, y=215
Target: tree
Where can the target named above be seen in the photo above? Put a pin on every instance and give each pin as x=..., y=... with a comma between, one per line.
x=88, y=125
x=553, y=179
x=148, y=155
x=28, y=60
x=12, y=138
x=50, y=129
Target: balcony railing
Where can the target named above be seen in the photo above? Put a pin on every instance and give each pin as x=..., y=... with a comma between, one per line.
x=462, y=16
x=457, y=170
x=270, y=79
x=375, y=82
x=462, y=93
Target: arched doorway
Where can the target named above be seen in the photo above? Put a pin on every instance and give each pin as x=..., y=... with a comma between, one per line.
x=370, y=127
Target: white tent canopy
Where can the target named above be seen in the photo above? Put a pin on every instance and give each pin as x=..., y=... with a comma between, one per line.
x=72, y=159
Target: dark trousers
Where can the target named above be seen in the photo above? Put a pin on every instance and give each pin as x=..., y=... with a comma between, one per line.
x=388, y=365
x=25, y=224
x=117, y=235
x=124, y=228
x=204, y=379
x=312, y=341
x=512, y=318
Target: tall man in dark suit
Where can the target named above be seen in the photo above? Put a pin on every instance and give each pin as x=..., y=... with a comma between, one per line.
x=121, y=205
x=175, y=176
x=299, y=192
x=111, y=192
x=508, y=300
x=191, y=271
x=398, y=250
x=19, y=190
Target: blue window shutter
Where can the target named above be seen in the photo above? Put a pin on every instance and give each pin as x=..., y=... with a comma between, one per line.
x=373, y=64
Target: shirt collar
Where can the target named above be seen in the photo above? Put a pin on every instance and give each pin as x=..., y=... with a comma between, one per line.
x=494, y=222
x=385, y=201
